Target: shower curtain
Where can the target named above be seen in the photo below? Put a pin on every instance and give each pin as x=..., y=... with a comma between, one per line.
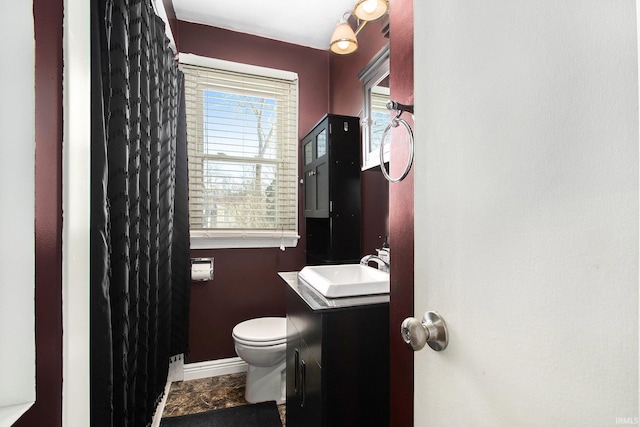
x=140, y=266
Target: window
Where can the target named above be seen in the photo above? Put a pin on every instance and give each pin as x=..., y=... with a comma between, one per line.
x=380, y=115
x=242, y=136
x=375, y=115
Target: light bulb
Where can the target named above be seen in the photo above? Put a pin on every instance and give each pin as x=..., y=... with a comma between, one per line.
x=370, y=5
x=343, y=44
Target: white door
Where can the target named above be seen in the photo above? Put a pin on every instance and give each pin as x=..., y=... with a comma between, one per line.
x=526, y=211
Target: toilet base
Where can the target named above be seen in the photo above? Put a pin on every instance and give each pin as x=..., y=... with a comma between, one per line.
x=266, y=383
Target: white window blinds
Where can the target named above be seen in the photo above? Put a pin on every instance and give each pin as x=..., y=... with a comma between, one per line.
x=243, y=157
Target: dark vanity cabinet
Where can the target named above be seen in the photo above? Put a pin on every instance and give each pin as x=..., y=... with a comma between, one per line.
x=337, y=364
x=331, y=179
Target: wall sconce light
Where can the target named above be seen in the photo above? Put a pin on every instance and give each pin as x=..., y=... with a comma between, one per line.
x=370, y=10
x=343, y=40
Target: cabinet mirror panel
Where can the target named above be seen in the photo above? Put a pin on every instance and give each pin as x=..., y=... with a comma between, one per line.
x=308, y=153
x=321, y=144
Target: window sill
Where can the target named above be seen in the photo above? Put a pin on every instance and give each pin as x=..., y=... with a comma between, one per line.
x=372, y=158
x=221, y=240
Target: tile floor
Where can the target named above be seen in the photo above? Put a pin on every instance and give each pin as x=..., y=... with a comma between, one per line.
x=206, y=394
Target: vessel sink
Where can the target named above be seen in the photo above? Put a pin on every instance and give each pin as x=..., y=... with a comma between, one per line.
x=345, y=280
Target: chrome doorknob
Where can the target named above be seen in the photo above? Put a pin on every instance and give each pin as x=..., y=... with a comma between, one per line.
x=431, y=330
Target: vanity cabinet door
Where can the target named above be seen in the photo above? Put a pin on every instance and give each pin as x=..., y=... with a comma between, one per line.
x=304, y=373
x=293, y=375
x=311, y=389
x=355, y=366
x=304, y=385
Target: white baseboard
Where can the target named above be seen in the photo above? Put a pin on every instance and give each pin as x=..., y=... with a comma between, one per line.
x=214, y=368
x=160, y=409
x=176, y=369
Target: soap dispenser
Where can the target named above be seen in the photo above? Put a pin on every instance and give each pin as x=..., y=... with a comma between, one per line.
x=385, y=253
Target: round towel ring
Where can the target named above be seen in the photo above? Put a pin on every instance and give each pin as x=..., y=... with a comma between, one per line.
x=394, y=123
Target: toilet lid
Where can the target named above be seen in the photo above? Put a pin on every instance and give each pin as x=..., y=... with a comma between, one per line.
x=262, y=330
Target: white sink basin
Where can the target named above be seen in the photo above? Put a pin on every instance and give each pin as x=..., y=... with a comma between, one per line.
x=345, y=280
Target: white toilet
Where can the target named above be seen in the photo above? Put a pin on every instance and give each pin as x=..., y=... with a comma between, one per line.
x=262, y=343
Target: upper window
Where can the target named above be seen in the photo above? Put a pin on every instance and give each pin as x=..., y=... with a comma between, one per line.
x=243, y=158
x=375, y=115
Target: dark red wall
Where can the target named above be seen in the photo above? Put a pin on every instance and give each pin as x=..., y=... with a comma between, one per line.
x=345, y=97
x=246, y=284
x=401, y=217
x=345, y=88
x=48, y=221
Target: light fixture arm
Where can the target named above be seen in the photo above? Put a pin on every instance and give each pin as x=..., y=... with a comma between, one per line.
x=345, y=17
x=359, y=22
x=360, y=26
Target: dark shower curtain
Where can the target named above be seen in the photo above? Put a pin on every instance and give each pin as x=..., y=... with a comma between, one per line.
x=140, y=267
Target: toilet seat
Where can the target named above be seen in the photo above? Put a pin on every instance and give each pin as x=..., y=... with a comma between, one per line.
x=261, y=332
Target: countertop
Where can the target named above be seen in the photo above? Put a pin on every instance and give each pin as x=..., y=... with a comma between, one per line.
x=316, y=301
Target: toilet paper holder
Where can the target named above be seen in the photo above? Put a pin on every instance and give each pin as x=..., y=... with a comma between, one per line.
x=201, y=269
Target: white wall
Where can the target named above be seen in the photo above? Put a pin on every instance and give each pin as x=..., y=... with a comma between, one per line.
x=527, y=197
x=76, y=160
x=17, y=189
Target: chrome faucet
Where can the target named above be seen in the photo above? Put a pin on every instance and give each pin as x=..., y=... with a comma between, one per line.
x=382, y=264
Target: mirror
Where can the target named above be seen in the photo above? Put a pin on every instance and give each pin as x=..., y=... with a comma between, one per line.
x=375, y=116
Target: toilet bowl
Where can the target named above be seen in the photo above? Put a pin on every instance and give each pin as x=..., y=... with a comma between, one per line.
x=262, y=344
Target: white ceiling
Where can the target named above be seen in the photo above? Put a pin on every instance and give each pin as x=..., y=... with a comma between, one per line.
x=303, y=22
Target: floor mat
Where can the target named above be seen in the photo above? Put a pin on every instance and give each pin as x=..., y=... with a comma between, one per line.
x=263, y=414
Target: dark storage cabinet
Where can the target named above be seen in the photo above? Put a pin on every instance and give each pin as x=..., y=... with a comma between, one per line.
x=331, y=178
x=315, y=156
x=337, y=364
